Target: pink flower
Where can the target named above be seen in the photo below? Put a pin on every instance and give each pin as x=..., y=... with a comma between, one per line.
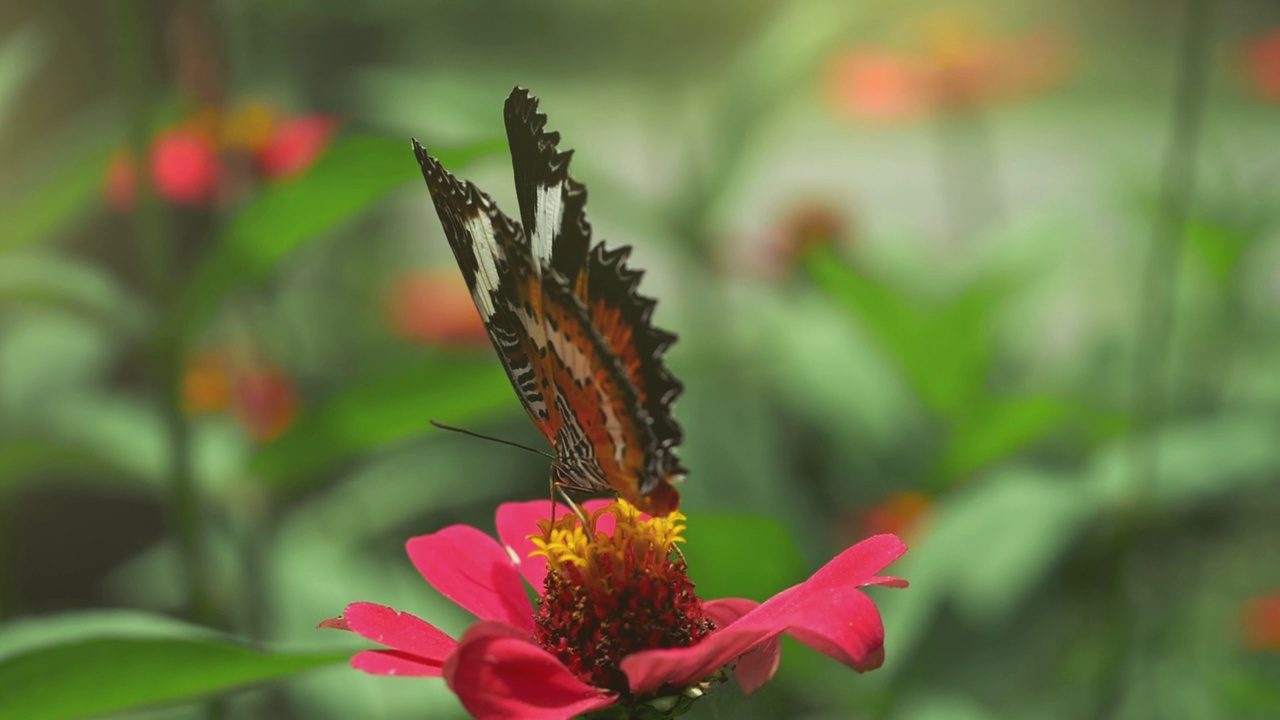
x=616, y=621
x=295, y=145
x=183, y=166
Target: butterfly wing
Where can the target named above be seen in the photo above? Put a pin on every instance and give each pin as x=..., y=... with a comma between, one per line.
x=553, y=210
x=485, y=242
x=571, y=384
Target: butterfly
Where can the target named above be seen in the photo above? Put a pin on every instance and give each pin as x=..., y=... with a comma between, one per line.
x=566, y=320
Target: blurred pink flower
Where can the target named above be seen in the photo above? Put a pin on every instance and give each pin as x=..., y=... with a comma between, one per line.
x=184, y=167
x=295, y=145
x=616, y=620
x=434, y=306
x=187, y=161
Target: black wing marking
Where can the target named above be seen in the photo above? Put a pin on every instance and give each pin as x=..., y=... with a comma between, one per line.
x=552, y=203
x=484, y=242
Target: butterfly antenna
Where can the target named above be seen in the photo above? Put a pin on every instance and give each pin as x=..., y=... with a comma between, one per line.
x=500, y=441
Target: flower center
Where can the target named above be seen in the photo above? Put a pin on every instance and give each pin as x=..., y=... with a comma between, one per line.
x=610, y=595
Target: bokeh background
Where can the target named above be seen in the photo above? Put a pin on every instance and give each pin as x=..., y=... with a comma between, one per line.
x=1000, y=277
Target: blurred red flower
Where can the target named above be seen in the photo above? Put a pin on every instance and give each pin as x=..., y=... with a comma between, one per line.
x=959, y=69
x=265, y=402
x=616, y=620
x=1261, y=622
x=434, y=306
x=1262, y=65
x=187, y=161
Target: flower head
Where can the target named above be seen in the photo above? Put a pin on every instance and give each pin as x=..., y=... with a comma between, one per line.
x=266, y=402
x=607, y=596
x=187, y=163
x=616, y=621
x=1260, y=626
x=958, y=68
x=1262, y=65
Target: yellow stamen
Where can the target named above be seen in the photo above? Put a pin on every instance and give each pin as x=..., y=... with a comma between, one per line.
x=567, y=543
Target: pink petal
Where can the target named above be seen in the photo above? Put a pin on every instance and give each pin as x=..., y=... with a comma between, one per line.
x=335, y=623
x=757, y=667
x=471, y=569
x=498, y=673
x=888, y=581
x=826, y=612
x=394, y=662
x=401, y=631
x=295, y=145
x=518, y=520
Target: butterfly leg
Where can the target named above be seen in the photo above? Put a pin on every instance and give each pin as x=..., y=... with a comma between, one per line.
x=559, y=487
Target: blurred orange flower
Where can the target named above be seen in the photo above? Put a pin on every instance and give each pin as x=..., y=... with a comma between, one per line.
x=1260, y=625
x=959, y=68
x=902, y=512
x=206, y=386
x=265, y=402
x=1262, y=65
x=434, y=306
x=187, y=160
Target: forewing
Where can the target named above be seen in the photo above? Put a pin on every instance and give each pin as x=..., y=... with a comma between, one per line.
x=552, y=204
x=487, y=245
x=553, y=209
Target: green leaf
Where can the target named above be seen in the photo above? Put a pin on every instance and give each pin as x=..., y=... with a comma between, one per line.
x=38, y=215
x=23, y=459
x=352, y=174
x=1198, y=460
x=747, y=556
x=986, y=547
x=88, y=664
x=62, y=282
x=20, y=56
x=897, y=323
x=384, y=410
x=943, y=347
x=1219, y=247
x=1001, y=428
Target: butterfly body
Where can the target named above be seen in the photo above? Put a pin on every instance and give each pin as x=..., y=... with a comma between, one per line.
x=566, y=320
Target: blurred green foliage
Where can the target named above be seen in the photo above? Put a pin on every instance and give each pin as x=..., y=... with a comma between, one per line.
x=922, y=319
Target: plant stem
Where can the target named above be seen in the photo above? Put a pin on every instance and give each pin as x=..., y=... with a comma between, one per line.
x=968, y=174
x=1134, y=630
x=132, y=33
